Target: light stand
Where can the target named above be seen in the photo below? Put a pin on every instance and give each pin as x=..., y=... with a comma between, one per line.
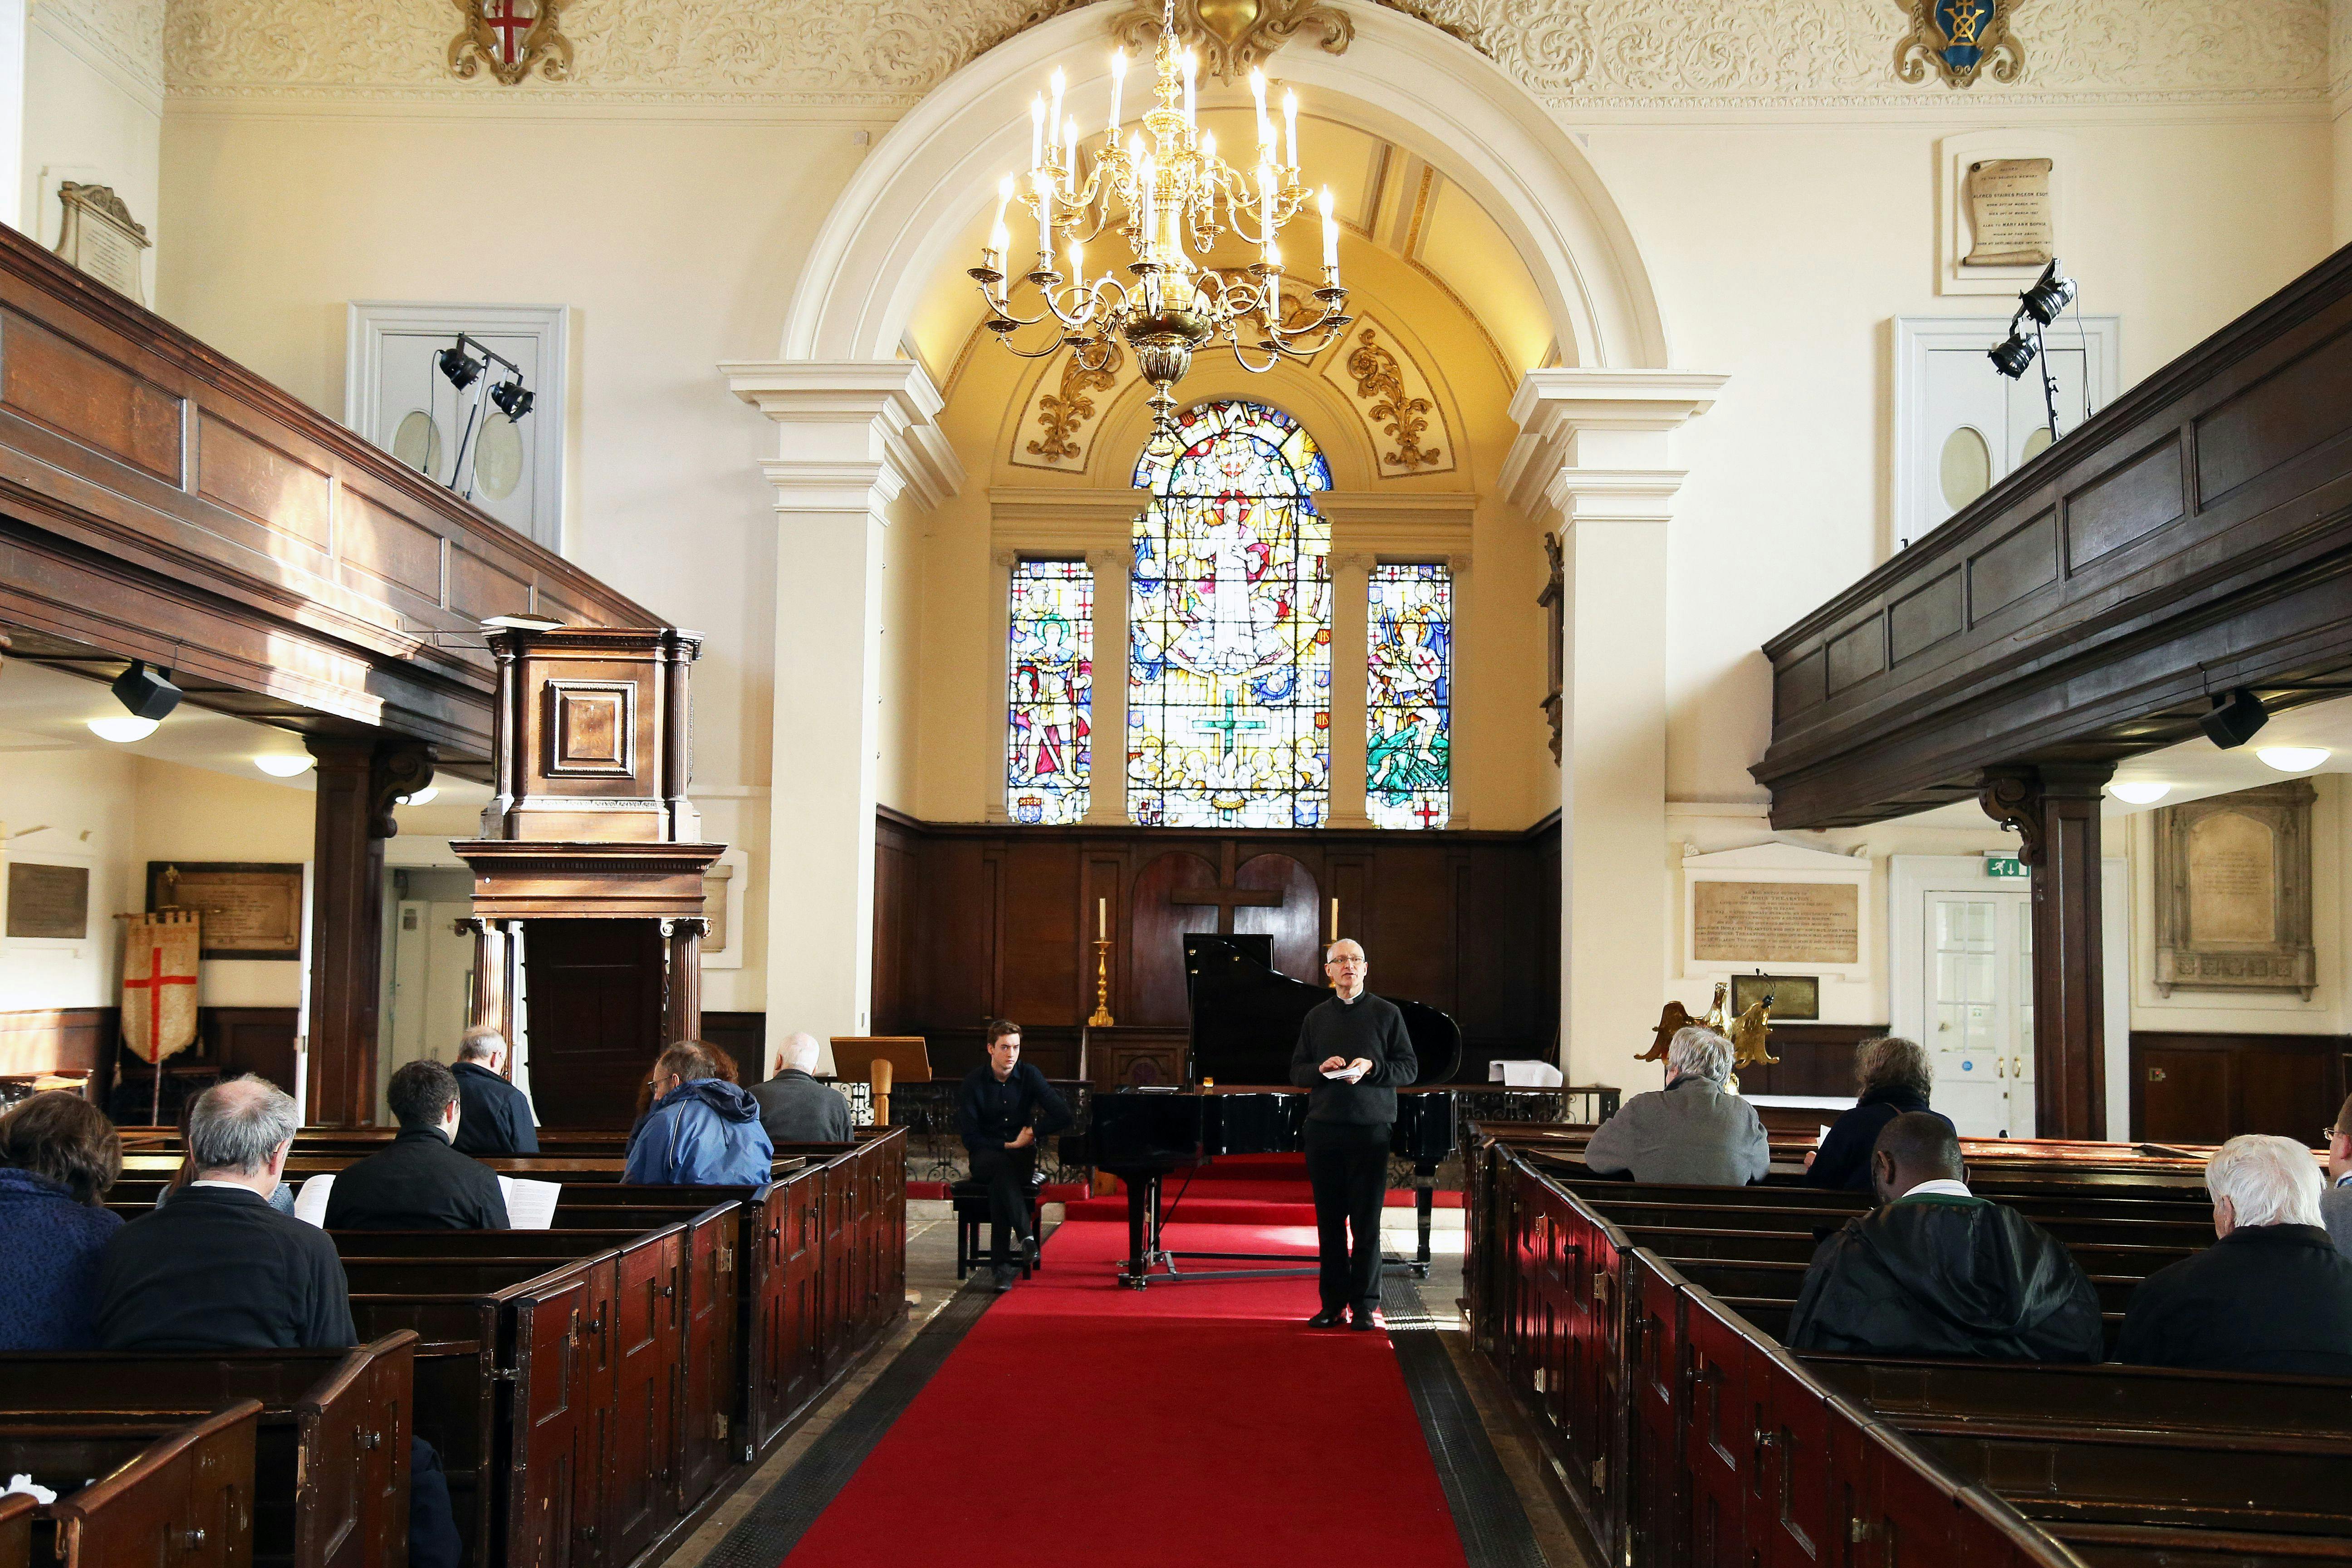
x=461, y=371
x=2041, y=304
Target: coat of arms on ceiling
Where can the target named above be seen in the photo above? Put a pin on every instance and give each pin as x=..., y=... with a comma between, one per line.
x=1235, y=35
x=511, y=36
x=1959, y=38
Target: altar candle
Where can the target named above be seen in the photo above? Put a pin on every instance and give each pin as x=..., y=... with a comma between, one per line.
x=1335, y=920
x=1102, y=919
x=1264, y=126
x=1290, y=123
x=1036, y=132
x=1054, y=120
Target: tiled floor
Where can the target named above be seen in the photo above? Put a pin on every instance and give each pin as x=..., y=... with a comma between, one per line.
x=930, y=1281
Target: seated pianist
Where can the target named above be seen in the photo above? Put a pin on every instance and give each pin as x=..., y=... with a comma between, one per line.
x=219, y=1269
x=421, y=1181
x=1935, y=1270
x=2272, y=1294
x=1001, y=1111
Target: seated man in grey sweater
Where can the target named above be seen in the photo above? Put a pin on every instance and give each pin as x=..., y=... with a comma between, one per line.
x=2336, y=1202
x=796, y=1109
x=1693, y=1131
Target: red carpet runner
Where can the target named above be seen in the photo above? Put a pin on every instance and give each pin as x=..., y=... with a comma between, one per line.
x=1080, y=1425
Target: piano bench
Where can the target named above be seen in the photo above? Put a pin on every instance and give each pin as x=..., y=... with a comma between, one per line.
x=970, y=1200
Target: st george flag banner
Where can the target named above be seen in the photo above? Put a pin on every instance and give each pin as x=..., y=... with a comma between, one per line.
x=159, y=984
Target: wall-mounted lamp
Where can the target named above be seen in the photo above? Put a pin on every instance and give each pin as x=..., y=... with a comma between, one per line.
x=284, y=764
x=2138, y=792
x=2293, y=758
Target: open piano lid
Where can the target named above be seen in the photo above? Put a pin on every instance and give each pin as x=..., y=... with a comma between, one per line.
x=1246, y=1016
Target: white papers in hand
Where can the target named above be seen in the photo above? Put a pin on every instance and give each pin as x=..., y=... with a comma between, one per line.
x=531, y=1205
x=311, y=1201
x=1345, y=1075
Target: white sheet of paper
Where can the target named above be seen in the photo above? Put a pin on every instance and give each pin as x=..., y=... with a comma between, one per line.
x=1344, y=1074
x=1818, y=1136
x=311, y=1200
x=531, y=1205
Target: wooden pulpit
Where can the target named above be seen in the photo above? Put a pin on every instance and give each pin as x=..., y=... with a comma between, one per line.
x=588, y=877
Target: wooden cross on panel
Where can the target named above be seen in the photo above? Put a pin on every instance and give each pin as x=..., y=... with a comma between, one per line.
x=1226, y=896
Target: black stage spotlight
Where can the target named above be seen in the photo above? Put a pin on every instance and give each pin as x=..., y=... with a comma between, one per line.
x=2234, y=718
x=2049, y=296
x=512, y=398
x=2013, y=356
x=458, y=365
x=147, y=693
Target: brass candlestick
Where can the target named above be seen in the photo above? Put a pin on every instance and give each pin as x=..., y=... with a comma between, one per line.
x=1102, y=985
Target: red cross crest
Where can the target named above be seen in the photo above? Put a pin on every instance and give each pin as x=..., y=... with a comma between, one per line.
x=513, y=37
x=510, y=21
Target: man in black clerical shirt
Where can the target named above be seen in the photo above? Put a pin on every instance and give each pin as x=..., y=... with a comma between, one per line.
x=1003, y=1109
x=496, y=1115
x=219, y=1269
x=1353, y=1054
x=421, y=1181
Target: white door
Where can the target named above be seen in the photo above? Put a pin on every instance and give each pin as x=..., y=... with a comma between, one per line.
x=1979, y=1013
x=432, y=986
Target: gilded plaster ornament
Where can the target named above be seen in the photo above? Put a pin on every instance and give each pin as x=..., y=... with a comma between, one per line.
x=1379, y=377
x=1235, y=35
x=511, y=36
x=1062, y=411
x=1959, y=38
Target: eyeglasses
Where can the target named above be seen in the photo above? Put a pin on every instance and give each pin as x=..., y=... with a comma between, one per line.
x=2328, y=1135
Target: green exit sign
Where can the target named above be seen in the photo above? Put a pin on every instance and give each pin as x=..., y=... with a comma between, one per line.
x=2009, y=868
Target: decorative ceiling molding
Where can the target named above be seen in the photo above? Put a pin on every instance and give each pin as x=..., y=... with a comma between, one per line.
x=1576, y=56
x=125, y=35
x=1232, y=36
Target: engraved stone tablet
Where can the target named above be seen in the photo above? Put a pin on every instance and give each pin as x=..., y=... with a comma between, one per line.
x=2010, y=219
x=100, y=236
x=1777, y=923
x=50, y=901
x=250, y=910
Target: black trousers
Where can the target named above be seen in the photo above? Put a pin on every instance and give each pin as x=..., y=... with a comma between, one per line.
x=1007, y=1173
x=1348, y=1166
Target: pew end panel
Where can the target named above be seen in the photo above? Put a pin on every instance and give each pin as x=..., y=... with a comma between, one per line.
x=186, y=1499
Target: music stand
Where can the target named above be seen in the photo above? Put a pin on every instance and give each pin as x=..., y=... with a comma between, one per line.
x=854, y=1057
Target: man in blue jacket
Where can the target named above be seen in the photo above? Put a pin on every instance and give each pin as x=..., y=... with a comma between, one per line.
x=701, y=1132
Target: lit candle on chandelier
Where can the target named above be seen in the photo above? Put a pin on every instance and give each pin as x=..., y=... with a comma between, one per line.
x=1290, y=123
x=1265, y=125
x=1192, y=67
x=1070, y=146
x=1036, y=130
x=1266, y=200
x=1117, y=85
x=1054, y=120
x=1330, y=238
x=1077, y=263
x=1145, y=178
x=1044, y=184
x=1000, y=238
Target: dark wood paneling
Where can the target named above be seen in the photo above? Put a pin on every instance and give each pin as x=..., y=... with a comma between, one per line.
x=39, y=1039
x=595, y=990
x=2195, y=535
x=1004, y=921
x=251, y=1039
x=2203, y=1088
x=744, y=1037
x=1815, y=1058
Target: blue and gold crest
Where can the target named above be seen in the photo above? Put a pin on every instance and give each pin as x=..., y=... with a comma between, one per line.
x=1959, y=38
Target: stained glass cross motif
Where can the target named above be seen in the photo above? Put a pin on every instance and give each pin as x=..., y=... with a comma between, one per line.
x=1409, y=697
x=1229, y=727
x=1229, y=616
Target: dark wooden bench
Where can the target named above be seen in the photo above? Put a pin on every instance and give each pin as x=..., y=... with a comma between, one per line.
x=331, y=1444
x=16, y=1512
x=181, y=1496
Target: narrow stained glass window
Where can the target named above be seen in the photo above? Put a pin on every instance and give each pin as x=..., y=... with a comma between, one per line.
x=1047, y=759
x=1229, y=669
x=1409, y=702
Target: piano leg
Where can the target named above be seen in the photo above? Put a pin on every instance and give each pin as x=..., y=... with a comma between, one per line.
x=1142, y=1227
x=1425, y=1199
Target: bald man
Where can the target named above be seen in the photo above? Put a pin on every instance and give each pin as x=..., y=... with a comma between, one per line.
x=796, y=1109
x=1353, y=1054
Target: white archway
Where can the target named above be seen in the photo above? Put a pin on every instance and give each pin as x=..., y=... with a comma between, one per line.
x=890, y=232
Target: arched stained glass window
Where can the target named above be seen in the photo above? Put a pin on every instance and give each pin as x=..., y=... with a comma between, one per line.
x=1409, y=697
x=1046, y=758
x=1229, y=669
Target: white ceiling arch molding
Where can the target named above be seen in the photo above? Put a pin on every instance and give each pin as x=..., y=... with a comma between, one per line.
x=903, y=213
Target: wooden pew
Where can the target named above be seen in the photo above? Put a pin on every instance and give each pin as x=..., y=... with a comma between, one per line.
x=16, y=1531
x=331, y=1444
x=184, y=1498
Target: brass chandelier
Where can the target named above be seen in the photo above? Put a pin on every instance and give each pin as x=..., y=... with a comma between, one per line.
x=1168, y=196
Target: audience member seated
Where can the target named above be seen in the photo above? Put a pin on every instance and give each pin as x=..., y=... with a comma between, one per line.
x=1895, y=1076
x=221, y=1270
x=1935, y=1270
x=2272, y=1294
x=1693, y=1131
x=281, y=1197
x=796, y=1109
x=421, y=1181
x=2336, y=1202
x=497, y=1118
x=702, y=1131
x=1005, y=1106
x=59, y=1154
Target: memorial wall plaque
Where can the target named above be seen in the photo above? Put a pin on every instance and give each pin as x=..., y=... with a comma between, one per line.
x=1776, y=922
x=49, y=901
x=251, y=911
x=2233, y=892
x=714, y=906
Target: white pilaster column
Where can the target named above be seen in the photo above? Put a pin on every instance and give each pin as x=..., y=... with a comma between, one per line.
x=852, y=437
x=1594, y=461
x=1106, y=784
x=1352, y=586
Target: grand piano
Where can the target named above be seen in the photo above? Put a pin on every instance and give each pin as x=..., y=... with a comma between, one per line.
x=1244, y=1024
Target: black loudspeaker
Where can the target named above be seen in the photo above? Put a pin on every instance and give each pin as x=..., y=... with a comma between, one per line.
x=147, y=693
x=2235, y=720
